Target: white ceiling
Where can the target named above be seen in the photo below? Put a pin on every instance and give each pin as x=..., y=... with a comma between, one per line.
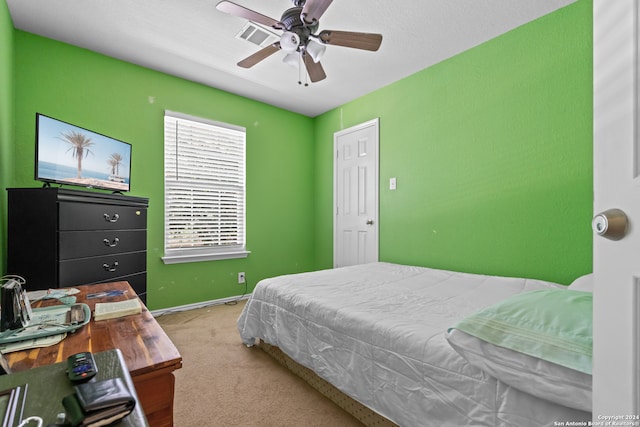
x=191, y=39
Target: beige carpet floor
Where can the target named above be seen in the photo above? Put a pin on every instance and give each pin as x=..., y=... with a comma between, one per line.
x=224, y=383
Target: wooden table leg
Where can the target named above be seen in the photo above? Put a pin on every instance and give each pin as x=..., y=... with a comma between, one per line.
x=155, y=392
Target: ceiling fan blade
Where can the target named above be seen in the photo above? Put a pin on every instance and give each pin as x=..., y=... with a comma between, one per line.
x=242, y=12
x=252, y=60
x=313, y=10
x=366, y=41
x=315, y=70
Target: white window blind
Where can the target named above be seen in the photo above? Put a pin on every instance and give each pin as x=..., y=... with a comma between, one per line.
x=204, y=181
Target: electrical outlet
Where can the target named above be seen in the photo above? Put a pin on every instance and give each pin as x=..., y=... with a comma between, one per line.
x=241, y=278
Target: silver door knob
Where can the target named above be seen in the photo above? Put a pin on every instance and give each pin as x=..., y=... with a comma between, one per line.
x=612, y=224
x=370, y=222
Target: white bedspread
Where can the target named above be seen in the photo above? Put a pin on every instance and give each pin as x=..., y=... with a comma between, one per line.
x=376, y=332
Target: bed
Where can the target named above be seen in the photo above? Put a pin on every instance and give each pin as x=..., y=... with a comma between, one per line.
x=423, y=347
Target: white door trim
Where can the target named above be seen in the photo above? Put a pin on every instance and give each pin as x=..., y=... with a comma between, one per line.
x=376, y=123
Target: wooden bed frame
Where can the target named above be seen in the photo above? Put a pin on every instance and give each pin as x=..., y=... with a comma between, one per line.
x=362, y=413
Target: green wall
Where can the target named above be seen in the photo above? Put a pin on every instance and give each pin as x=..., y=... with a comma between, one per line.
x=492, y=151
x=6, y=120
x=127, y=102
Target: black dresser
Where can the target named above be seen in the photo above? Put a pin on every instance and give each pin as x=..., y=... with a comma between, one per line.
x=60, y=238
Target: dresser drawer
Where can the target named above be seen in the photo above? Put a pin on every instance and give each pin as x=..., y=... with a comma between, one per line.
x=84, y=216
x=77, y=244
x=82, y=271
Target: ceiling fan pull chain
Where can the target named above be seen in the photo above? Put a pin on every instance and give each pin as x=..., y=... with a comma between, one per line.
x=300, y=69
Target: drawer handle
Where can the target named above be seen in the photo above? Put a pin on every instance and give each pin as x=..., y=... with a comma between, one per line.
x=113, y=218
x=110, y=268
x=111, y=243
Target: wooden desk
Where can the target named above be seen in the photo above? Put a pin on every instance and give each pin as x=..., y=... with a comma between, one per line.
x=47, y=385
x=148, y=352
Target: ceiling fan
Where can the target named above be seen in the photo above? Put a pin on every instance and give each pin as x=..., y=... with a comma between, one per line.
x=299, y=39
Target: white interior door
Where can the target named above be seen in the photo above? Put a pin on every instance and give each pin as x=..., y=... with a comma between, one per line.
x=355, y=239
x=616, y=185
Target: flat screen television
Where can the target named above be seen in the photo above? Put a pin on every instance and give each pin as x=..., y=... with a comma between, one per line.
x=69, y=154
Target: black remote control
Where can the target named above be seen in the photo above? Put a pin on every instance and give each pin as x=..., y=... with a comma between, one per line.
x=81, y=367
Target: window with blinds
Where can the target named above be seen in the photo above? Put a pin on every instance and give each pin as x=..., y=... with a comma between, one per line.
x=204, y=187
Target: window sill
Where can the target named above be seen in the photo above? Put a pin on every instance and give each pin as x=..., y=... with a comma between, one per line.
x=178, y=259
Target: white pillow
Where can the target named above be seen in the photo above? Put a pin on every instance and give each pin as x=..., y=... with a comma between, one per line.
x=583, y=283
x=539, y=342
x=535, y=376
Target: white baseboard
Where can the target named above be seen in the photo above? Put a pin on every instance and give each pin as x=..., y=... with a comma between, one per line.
x=162, y=311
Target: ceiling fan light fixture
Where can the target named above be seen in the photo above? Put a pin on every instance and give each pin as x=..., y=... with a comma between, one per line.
x=315, y=50
x=289, y=42
x=292, y=59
